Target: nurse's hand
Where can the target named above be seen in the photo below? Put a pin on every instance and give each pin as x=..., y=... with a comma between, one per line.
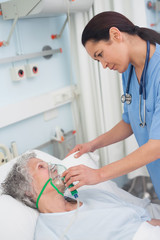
x=81, y=174
x=81, y=149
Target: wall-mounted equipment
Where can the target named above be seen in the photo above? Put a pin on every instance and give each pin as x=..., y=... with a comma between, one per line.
x=47, y=52
x=155, y=5
x=22, y=110
x=62, y=147
x=15, y=9
x=18, y=73
x=2, y=158
x=154, y=18
x=54, y=36
x=42, y=8
x=31, y=70
x=7, y=42
x=7, y=154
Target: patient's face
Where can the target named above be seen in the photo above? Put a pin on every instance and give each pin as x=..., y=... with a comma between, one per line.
x=39, y=172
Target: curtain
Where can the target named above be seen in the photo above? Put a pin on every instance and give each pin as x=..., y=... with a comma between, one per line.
x=99, y=105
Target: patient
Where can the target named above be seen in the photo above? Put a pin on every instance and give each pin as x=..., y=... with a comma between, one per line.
x=101, y=215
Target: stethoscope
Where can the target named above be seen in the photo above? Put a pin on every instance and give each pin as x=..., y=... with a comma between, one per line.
x=127, y=97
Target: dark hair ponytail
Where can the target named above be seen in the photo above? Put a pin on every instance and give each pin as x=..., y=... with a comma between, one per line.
x=148, y=34
x=98, y=28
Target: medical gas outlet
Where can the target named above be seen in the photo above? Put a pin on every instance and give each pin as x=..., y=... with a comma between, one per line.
x=18, y=73
x=31, y=70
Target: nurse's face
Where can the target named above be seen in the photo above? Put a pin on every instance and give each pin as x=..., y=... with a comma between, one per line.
x=112, y=54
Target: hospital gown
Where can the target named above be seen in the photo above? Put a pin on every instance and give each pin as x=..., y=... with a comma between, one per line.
x=103, y=216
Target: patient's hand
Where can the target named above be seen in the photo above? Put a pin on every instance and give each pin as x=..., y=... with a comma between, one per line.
x=154, y=222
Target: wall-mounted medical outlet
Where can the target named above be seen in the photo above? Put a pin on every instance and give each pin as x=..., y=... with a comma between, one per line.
x=18, y=73
x=31, y=70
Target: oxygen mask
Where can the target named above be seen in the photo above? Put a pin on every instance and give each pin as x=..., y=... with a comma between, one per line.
x=55, y=174
x=57, y=181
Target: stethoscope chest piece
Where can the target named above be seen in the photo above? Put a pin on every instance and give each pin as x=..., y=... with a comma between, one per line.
x=126, y=98
x=142, y=124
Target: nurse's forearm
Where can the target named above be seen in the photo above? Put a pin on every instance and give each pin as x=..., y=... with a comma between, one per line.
x=145, y=154
x=118, y=133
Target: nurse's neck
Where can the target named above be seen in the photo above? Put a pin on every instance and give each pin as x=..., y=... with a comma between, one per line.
x=138, y=54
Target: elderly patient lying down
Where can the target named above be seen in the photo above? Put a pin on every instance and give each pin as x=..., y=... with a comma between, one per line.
x=101, y=215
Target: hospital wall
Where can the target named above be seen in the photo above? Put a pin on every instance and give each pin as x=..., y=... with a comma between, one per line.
x=30, y=36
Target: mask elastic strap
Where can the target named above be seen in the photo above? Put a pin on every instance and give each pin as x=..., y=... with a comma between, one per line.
x=45, y=185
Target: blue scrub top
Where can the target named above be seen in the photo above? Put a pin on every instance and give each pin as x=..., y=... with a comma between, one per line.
x=131, y=112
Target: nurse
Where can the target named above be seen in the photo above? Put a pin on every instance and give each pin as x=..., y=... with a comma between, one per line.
x=119, y=45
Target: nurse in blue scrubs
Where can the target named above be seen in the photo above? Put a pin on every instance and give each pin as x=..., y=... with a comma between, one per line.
x=119, y=45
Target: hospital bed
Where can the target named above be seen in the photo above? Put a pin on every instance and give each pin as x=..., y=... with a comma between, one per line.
x=18, y=221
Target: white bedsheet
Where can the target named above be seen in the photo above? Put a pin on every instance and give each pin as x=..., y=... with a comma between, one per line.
x=147, y=232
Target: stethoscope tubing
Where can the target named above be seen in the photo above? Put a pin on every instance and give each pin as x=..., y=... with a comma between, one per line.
x=127, y=97
x=142, y=89
x=129, y=79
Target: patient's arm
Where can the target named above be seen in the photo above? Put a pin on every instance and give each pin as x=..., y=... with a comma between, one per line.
x=154, y=222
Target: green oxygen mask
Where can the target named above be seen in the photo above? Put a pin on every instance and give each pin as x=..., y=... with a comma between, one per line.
x=57, y=181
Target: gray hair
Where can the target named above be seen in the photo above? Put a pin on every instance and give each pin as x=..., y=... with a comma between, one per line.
x=18, y=182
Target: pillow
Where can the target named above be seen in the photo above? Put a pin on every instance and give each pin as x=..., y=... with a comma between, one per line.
x=18, y=221
x=88, y=159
